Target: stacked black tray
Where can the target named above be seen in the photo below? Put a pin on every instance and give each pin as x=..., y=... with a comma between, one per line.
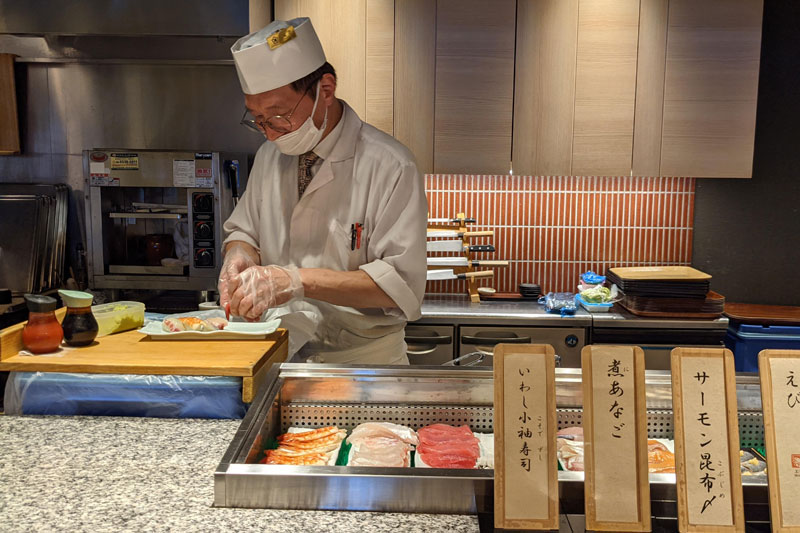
x=667, y=291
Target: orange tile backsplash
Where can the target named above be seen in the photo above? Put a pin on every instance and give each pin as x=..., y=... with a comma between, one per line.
x=553, y=228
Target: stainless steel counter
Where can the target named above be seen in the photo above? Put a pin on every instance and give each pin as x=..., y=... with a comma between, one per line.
x=346, y=396
x=457, y=308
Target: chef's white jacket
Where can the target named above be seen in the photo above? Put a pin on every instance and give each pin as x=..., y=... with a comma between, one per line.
x=368, y=178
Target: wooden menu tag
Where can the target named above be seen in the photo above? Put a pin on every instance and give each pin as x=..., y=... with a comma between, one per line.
x=780, y=399
x=706, y=426
x=525, y=467
x=615, y=439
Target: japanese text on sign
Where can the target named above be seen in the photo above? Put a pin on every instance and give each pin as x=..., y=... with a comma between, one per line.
x=785, y=377
x=706, y=441
x=614, y=435
x=526, y=463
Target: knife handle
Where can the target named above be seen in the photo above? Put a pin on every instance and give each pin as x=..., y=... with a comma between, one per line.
x=480, y=248
x=480, y=274
x=478, y=234
x=490, y=263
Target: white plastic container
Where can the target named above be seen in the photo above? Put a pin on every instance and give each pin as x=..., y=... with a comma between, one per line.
x=592, y=307
x=115, y=317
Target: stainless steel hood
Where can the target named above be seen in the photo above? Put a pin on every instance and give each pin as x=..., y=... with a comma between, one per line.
x=223, y=18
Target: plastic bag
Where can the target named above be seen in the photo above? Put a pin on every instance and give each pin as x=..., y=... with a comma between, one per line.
x=56, y=393
x=590, y=280
x=559, y=302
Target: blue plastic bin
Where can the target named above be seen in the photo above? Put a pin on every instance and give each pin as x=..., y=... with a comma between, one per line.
x=53, y=393
x=746, y=341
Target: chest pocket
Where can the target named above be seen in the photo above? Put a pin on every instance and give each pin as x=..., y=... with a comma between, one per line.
x=339, y=253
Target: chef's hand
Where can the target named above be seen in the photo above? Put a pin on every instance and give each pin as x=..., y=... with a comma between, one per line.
x=239, y=256
x=263, y=287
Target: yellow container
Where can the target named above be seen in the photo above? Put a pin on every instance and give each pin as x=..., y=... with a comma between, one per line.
x=115, y=317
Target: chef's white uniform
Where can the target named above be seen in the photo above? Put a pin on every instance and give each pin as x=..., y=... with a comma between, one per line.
x=367, y=178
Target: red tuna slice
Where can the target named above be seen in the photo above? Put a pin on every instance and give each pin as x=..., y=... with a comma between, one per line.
x=461, y=448
x=442, y=432
x=435, y=460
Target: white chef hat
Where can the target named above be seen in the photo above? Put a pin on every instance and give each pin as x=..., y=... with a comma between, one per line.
x=277, y=55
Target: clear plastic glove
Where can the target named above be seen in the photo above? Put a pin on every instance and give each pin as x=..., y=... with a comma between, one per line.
x=237, y=260
x=264, y=287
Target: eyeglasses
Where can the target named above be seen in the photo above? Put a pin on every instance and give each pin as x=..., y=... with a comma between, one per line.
x=278, y=123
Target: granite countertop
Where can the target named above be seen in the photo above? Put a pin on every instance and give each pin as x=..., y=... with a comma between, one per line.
x=148, y=474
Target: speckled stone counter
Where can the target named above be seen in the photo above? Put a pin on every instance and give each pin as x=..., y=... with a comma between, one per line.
x=146, y=474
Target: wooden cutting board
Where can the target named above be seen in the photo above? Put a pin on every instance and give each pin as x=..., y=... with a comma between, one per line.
x=133, y=353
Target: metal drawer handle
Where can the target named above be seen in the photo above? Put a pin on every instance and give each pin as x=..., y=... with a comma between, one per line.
x=423, y=351
x=441, y=339
x=489, y=341
x=480, y=356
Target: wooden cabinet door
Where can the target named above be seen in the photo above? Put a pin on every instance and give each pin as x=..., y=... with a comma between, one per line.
x=605, y=87
x=9, y=123
x=474, y=86
x=358, y=39
x=647, y=123
x=710, y=88
x=544, y=87
x=415, y=74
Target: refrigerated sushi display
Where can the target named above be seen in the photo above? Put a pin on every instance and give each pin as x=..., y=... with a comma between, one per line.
x=420, y=439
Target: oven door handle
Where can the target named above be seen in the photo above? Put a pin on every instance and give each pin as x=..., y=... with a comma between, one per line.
x=439, y=339
x=491, y=341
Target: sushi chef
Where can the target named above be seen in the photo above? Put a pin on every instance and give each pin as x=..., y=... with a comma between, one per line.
x=333, y=222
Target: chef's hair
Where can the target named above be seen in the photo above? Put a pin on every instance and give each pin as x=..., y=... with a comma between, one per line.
x=308, y=82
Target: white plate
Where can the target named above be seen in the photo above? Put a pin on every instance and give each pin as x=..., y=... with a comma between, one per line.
x=233, y=331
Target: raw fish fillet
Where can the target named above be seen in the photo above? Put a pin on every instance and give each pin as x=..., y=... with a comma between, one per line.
x=443, y=446
x=306, y=436
x=570, y=452
x=436, y=460
x=436, y=433
x=571, y=433
x=300, y=460
x=380, y=451
x=383, y=429
x=659, y=459
x=306, y=447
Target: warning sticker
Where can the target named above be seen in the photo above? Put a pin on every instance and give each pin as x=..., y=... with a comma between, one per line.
x=183, y=173
x=98, y=174
x=203, y=172
x=124, y=161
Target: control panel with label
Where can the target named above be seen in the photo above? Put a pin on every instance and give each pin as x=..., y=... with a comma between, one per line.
x=203, y=229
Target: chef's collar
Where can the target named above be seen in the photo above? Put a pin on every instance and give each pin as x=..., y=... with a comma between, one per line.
x=325, y=146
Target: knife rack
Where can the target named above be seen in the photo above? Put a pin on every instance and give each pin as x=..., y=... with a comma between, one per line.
x=459, y=224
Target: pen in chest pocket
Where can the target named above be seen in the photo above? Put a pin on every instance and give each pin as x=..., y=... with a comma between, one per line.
x=355, y=236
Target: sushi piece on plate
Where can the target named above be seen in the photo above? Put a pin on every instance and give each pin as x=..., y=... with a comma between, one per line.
x=187, y=323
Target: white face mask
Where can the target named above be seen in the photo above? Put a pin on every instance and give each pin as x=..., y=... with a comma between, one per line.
x=306, y=137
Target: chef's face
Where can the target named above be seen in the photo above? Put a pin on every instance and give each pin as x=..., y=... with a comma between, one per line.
x=283, y=110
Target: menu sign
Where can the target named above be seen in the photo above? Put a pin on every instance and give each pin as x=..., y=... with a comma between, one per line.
x=526, y=476
x=780, y=397
x=706, y=440
x=615, y=439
